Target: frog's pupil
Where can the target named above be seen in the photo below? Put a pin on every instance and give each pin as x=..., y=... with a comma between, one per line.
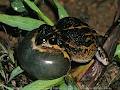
x=53, y=41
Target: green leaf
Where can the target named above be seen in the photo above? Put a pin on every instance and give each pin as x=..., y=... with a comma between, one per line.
x=15, y=72
x=63, y=86
x=43, y=84
x=24, y=23
x=18, y=5
x=72, y=87
x=37, y=10
x=61, y=11
x=117, y=52
x=69, y=86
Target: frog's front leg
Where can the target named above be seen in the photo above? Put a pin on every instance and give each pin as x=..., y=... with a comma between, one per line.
x=101, y=56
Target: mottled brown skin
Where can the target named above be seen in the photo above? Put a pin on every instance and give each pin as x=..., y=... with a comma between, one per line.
x=79, y=39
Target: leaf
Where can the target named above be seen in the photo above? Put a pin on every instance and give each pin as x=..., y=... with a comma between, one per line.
x=24, y=23
x=117, y=52
x=37, y=10
x=71, y=84
x=43, y=84
x=63, y=87
x=15, y=72
x=61, y=11
x=18, y=5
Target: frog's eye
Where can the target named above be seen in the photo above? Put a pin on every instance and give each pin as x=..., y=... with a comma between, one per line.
x=53, y=41
x=43, y=34
x=40, y=41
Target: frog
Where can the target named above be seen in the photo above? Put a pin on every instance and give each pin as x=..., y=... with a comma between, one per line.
x=47, y=52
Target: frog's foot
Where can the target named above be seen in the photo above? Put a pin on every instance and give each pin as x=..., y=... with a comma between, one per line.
x=101, y=56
